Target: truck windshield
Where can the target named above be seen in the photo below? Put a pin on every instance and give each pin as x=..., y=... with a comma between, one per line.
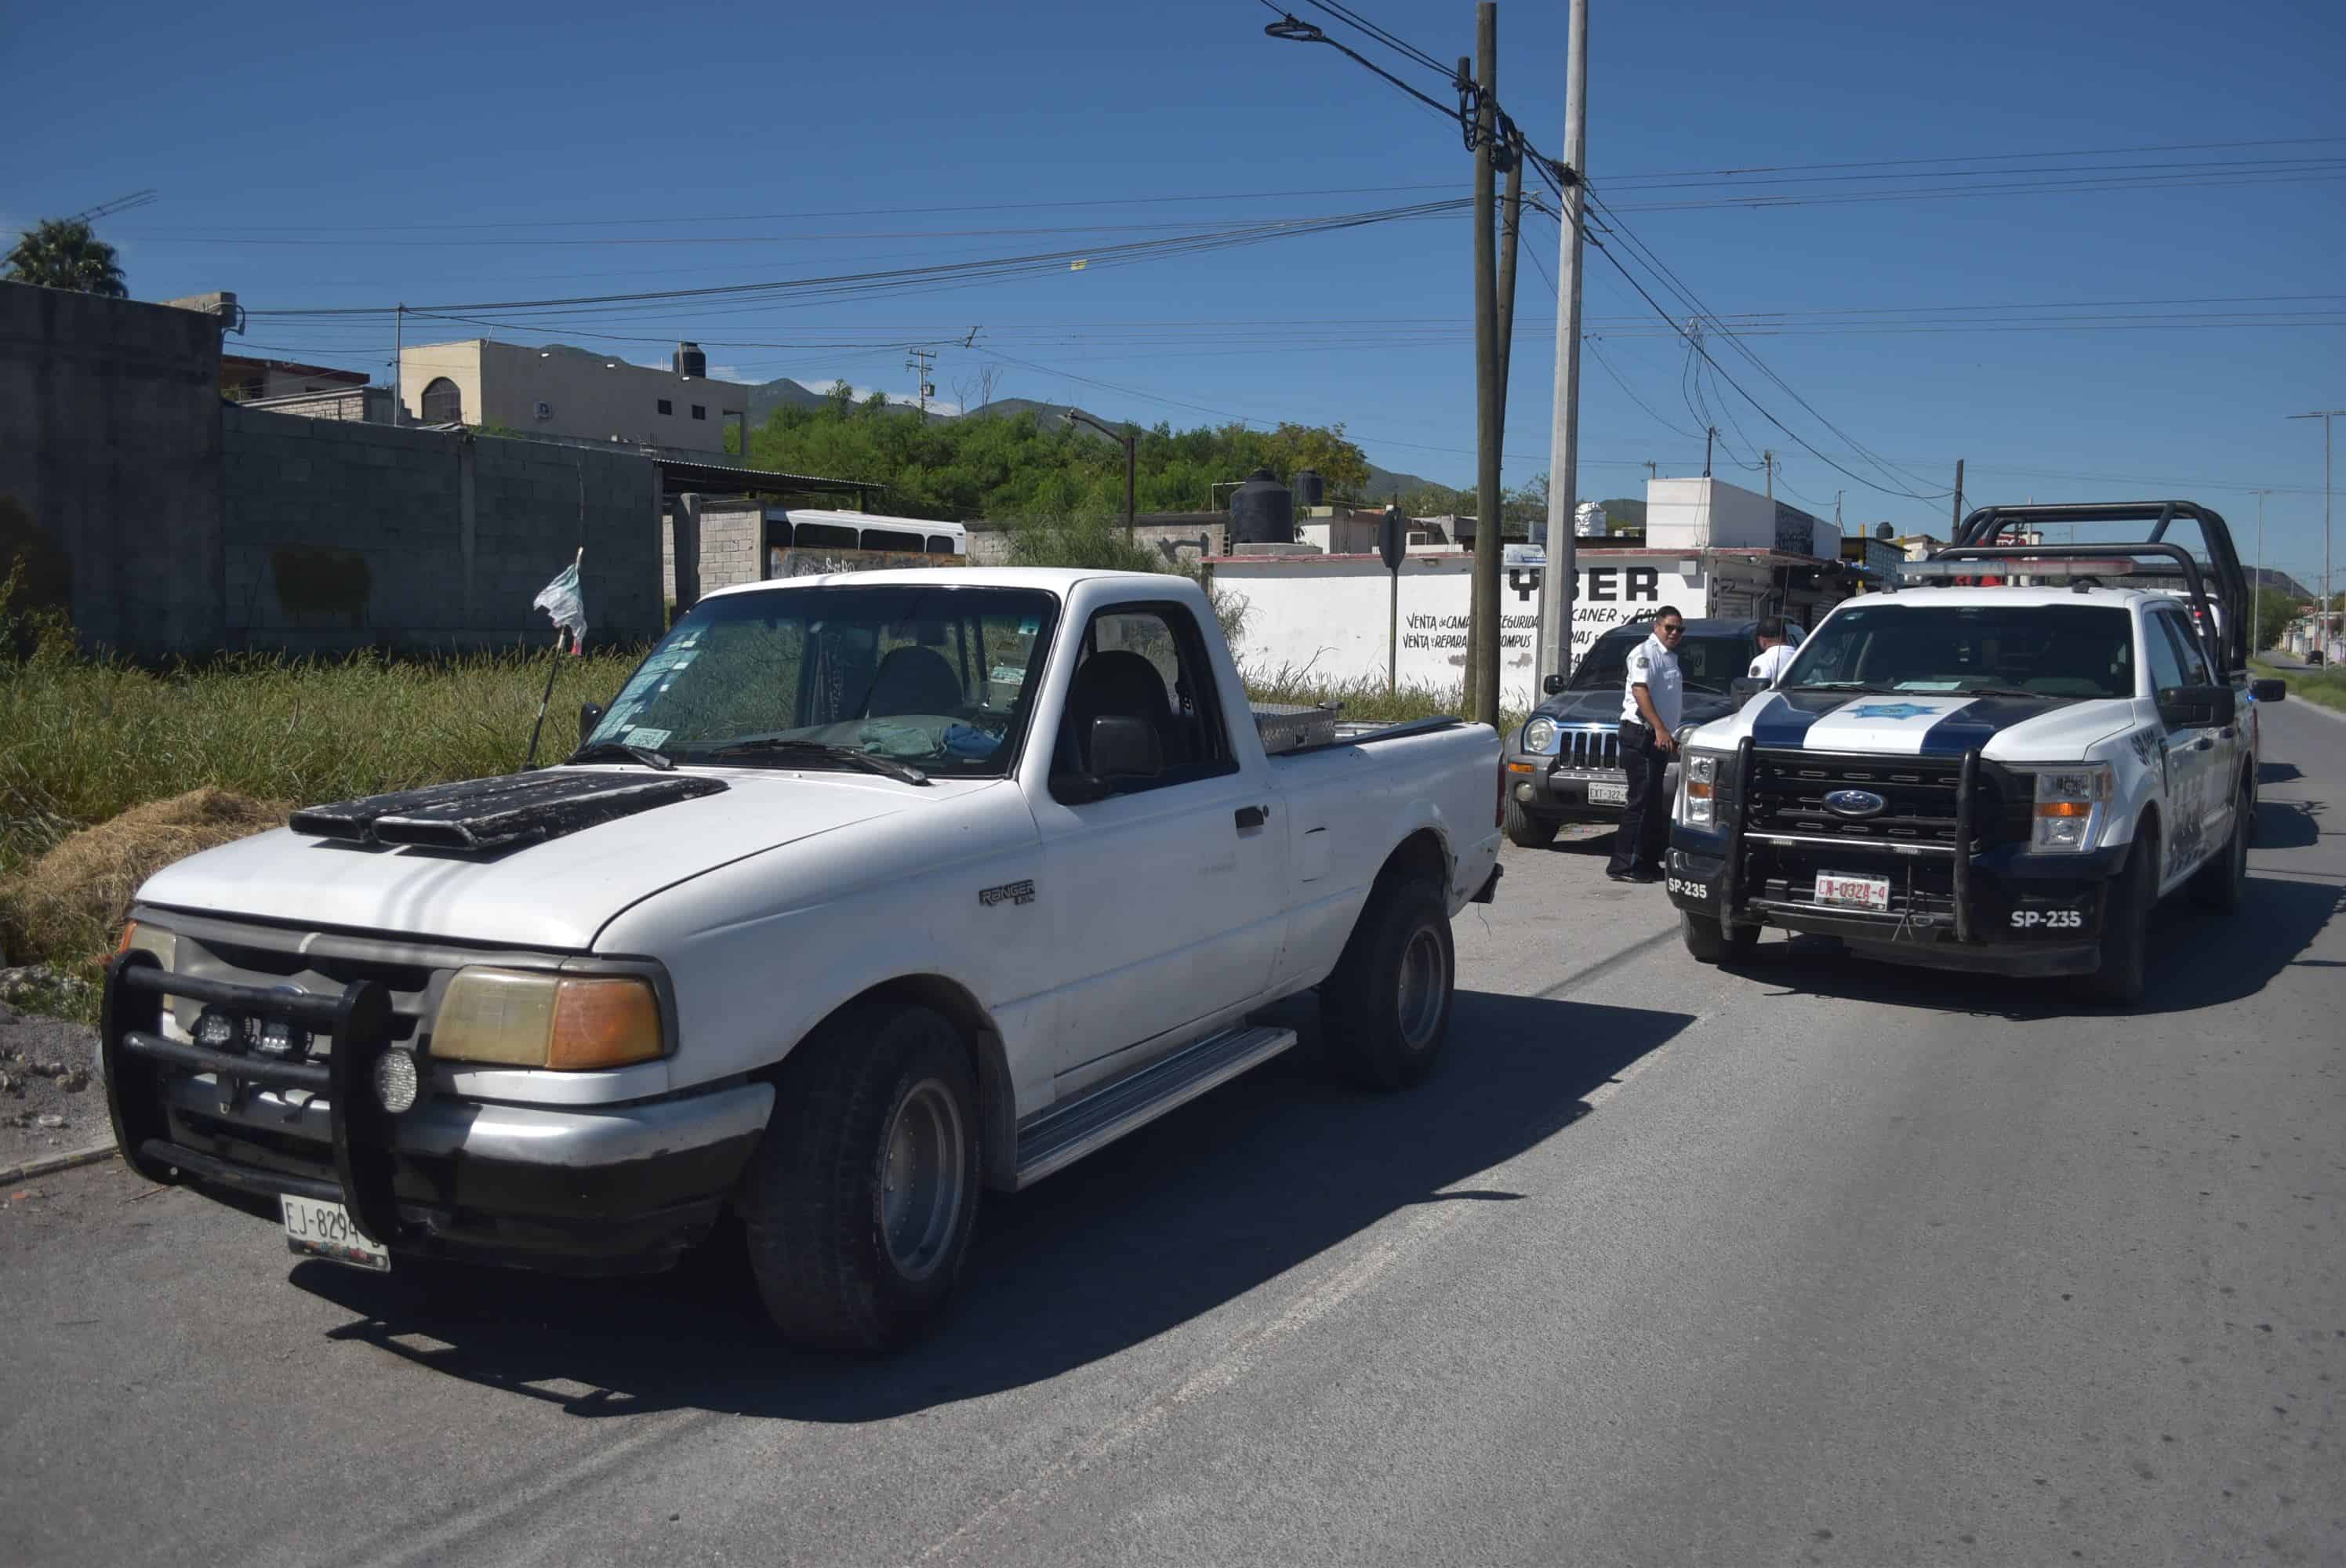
x=937, y=677
x=2042, y=650
x=1708, y=664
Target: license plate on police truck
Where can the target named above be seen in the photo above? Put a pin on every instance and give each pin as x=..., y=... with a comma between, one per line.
x=317, y=1230
x=1853, y=893
x=1601, y=794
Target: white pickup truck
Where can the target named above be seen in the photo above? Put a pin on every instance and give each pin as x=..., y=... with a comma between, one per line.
x=2000, y=768
x=868, y=892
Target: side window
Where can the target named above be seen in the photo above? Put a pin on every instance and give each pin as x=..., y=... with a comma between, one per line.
x=2188, y=650
x=2166, y=668
x=1146, y=662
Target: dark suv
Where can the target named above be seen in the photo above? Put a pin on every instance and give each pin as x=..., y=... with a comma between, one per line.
x=1563, y=765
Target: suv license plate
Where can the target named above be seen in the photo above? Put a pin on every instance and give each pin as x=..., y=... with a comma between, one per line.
x=1853, y=893
x=1600, y=794
x=316, y=1229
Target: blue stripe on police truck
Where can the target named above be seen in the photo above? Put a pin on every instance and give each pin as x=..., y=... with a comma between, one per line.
x=1973, y=726
x=1783, y=724
x=1898, y=726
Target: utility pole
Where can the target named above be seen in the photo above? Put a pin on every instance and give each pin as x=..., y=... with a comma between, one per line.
x=1837, y=524
x=1710, y=434
x=1768, y=467
x=1653, y=471
x=1483, y=637
x=2322, y=619
x=2257, y=589
x=398, y=364
x=1560, y=583
x=1951, y=538
x=919, y=362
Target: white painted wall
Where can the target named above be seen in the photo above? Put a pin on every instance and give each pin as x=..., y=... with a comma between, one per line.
x=584, y=394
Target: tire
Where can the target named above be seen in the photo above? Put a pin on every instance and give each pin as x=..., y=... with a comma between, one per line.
x=1385, y=1010
x=2118, y=978
x=1707, y=942
x=2215, y=887
x=858, y=1206
x=1526, y=831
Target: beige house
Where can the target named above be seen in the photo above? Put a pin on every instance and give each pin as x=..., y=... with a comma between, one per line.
x=560, y=391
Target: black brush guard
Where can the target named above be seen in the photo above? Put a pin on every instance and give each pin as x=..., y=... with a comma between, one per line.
x=136, y=1055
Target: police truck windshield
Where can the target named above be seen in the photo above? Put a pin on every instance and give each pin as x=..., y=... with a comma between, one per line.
x=2077, y=651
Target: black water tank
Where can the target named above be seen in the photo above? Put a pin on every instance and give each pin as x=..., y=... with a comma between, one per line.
x=1307, y=488
x=1262, y=510
x=691, y=362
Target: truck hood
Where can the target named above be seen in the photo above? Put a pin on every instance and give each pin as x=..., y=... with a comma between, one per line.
x=555, y=894
x=1603, y=705
x=1906, y=724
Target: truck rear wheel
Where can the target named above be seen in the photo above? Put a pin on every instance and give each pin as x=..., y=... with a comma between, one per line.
x=1708, y=943
x=2217, y=886
x=858, y=1206
x=1385, y=1010
x=1526, y=831
x=2118, y=978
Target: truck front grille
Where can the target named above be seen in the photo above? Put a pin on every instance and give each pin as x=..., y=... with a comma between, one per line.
x=1785, y=795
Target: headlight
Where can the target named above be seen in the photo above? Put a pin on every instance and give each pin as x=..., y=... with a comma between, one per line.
x=1539, y=734
x=526, y=1018
x=2069, y=806
x=154, y=939
x=1699, y=773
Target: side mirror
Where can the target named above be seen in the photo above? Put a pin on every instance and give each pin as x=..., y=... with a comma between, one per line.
x=591, y=714
x=1553, y=685
x=1126, y=748
x=1744, y=688
x=2198, y=706
x=2267, y=690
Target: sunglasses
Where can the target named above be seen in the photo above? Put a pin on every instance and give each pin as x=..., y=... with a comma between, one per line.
x=1671, y=628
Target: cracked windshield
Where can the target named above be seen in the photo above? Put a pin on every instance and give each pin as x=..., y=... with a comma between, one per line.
x=933, y=676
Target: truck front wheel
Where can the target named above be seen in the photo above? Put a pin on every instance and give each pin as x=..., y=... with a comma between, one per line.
x=1384, y=1012
x=1526, y=831
x=2217, y=886
x=858, y=1206
x=1708, y=943
x=2118, y=978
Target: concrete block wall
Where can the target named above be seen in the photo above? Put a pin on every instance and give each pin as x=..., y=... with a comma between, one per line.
x=343, y=534
x=730, y=536
x=110, y=454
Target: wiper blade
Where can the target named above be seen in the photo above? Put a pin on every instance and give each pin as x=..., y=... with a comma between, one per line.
x=622, y=751
x=1833, y=686
x=887, y=766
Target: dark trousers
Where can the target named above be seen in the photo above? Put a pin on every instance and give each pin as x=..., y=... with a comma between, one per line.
x=1645, y=819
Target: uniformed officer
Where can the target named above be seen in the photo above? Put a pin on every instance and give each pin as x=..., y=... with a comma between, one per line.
x=1775, y=653
x=1652, y=696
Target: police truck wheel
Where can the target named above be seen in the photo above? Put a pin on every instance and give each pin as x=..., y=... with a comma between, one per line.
x=858, y=1206
x=1526, y=831
x=1707, y=942
x=2217, y=886
x=1385, y=1010
x=2118, y=978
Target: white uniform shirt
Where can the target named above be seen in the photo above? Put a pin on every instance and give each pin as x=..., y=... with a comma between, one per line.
x=1771, y=662
x=1656, y=668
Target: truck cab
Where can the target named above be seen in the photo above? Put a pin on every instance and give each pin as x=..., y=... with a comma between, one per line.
x=1999, y=768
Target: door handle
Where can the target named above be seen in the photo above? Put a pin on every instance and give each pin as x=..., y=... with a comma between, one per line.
x=2203, y=744
x=1252, y=816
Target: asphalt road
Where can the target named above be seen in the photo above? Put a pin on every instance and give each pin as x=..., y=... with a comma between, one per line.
x=1809, y=1262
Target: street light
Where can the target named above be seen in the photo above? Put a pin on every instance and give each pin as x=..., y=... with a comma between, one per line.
x=1131, y=445
x=2322, y=619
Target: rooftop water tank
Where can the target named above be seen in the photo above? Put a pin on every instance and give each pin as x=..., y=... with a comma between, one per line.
x=1308, y=489
x=1262, y=510
x=1589, y=521
x=691, y=361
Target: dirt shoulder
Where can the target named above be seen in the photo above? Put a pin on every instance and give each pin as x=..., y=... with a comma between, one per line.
x=50, y=1101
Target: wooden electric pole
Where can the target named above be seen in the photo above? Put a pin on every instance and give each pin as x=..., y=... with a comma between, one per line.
x=1955, y=537
x=1483, y=637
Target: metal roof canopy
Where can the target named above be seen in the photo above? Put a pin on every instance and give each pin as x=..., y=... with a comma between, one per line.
x=681, y=476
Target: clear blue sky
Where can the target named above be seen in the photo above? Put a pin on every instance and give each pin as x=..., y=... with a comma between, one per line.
x=310, y=156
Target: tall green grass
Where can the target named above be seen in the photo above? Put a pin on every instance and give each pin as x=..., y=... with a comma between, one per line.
x=2326, y=686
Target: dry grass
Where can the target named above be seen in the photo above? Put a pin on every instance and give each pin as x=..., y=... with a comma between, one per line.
x=67, y=905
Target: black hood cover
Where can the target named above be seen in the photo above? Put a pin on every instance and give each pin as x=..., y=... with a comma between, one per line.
x=1603, y=705
x=500, y=813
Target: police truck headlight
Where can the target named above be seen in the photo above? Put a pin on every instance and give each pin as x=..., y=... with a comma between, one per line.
x=1699, y=775
x=531, y=1018
x=2070, y=802
x=1539, y=735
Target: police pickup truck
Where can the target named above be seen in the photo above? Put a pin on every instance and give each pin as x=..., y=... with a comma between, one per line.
x=1999, y=768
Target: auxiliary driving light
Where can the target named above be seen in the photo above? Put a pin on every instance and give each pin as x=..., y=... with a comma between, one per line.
x=216, y=1031
x=396, y=1081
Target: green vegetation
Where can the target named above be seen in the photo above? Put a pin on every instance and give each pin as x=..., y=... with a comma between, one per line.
x=1009, y=467
x=2274, y=610
x=2326, y=686
x=63, y=253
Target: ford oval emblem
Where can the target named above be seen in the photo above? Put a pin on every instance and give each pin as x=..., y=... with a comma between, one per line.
x=1855, y=803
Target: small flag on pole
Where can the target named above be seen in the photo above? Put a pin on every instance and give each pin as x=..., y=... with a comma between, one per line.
x=565, y=603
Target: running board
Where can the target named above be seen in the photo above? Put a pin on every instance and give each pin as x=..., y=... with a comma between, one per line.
x=1066, y=1133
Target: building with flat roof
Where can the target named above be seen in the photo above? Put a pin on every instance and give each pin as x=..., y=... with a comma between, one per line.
x=561, y=391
